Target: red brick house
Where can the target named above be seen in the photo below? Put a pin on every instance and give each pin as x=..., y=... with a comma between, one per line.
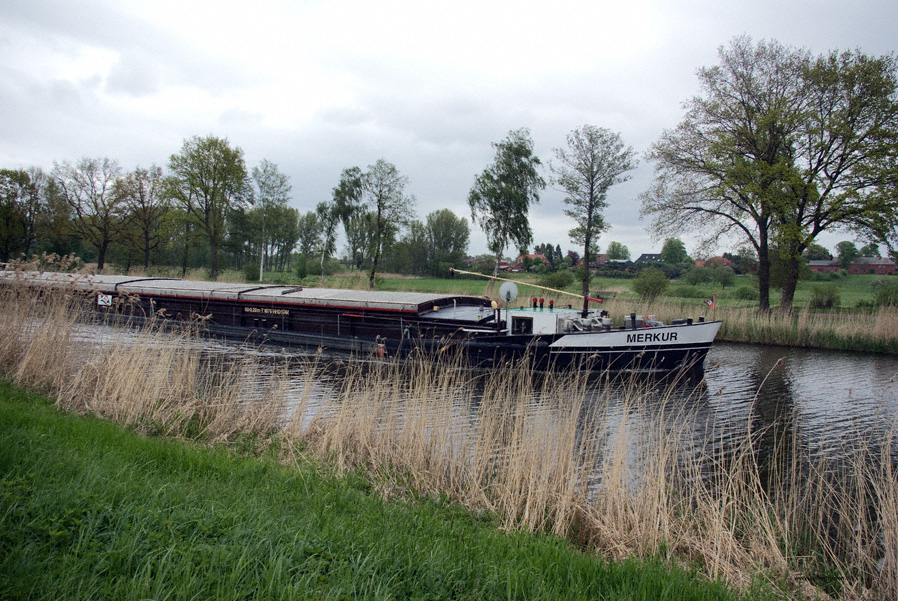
x=866, y=265
x=873, y=265
x=518, y=264
x=824, y=266
x=715, y=262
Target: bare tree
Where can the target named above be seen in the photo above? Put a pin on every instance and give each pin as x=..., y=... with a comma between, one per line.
x=141, y=193
x=595, y=159
x=99, y=215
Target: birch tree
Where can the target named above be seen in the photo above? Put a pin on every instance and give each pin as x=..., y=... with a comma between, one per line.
x=502, y=194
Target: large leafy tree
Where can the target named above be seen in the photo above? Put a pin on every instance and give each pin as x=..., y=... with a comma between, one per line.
x=595, y=159
x=98, y=213
x=720, y=171
x=779, y=147
x=502, y=194
x=847, y=252
x=20, y=205
x=447, y=241
x=208, y=179
x=673, y=252
x=140, y=191
x=844, y=156
x=618, y=251
x=816, y=252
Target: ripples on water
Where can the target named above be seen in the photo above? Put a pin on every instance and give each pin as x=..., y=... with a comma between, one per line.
x=833, y=401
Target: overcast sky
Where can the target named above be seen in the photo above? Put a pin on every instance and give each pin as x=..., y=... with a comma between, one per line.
x=319, y=86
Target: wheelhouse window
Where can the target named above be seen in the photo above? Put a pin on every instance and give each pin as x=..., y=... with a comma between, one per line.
x=521, y=325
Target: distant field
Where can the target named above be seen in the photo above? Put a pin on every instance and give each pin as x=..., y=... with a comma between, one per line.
x=853, y=289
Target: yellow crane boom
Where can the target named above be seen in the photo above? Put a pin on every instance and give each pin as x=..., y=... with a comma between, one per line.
x=495, y=277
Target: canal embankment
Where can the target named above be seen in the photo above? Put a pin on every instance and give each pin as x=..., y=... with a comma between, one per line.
x=93, y=510
x=613, y=480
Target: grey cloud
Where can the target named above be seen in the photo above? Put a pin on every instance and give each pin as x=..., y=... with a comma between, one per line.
x=135, y=74
x=158, y=54
x=240, y=117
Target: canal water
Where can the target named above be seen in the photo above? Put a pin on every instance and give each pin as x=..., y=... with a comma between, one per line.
x=832, y=401
x=826, y=403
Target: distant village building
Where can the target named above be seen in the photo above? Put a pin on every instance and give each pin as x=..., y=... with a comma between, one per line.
x=518, y=264
x=873, y=265
x=715, y=262
x=648, y=258
x=824, y=265
x=472, y=261
x=865, y=265
x=596, y=263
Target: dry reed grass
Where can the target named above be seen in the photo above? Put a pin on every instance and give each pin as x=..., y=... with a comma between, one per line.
x=877, y=332
x=151, y=381
x=615, y=470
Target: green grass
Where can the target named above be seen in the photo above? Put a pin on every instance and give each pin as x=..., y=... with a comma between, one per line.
x=853, y=289
x=91, y=511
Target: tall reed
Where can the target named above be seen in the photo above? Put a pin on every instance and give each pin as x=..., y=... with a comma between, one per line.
x=876, y=332
x=152, y=380
x=616, y=465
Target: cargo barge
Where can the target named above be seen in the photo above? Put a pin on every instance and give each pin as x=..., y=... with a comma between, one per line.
x=396, y=323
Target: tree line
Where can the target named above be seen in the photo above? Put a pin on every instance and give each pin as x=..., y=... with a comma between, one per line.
x=209, y=208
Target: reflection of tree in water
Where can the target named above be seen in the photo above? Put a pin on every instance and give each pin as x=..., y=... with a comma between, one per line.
x=773, y=425
x=824, y=489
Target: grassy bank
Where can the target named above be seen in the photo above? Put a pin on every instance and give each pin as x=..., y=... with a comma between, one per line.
x=618, y=477
x=91, y=511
